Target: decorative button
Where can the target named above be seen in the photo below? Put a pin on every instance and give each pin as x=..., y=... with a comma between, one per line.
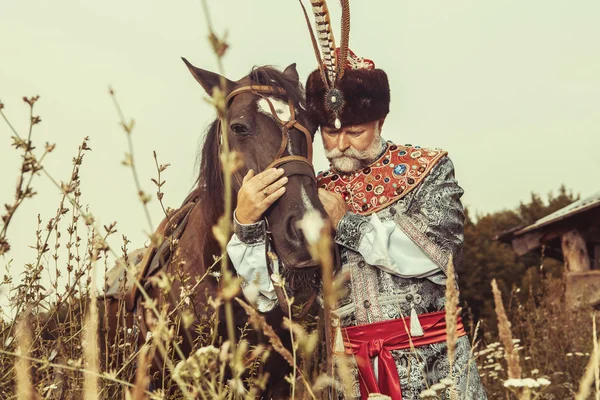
x=367, y=304
x=402, y=153
x=365, y=207
x=410, y=181
x=394, y=147
x=409, y=297
x=361, y=264
x=367, y=171
x=334, y=178
x=369, y=187
x=386, y=179
x=399, y=169
x=386, y=161
x=393, y=211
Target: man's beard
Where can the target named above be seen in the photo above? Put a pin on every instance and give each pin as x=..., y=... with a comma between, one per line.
x=351, y=160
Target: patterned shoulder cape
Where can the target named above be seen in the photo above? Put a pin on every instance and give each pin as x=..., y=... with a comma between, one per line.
x=396, y=173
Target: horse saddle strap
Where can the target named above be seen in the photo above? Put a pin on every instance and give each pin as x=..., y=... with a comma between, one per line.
x=171, y=228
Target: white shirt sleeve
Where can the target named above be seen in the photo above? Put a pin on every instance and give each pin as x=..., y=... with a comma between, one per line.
x=250, y=264
x=386, y=246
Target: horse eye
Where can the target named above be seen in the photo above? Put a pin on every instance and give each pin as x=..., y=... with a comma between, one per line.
x=239, y=129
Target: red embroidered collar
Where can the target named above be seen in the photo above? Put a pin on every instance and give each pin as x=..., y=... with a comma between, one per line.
x=398, y=171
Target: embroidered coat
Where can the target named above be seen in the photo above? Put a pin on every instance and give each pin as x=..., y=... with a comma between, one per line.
x=405, y=220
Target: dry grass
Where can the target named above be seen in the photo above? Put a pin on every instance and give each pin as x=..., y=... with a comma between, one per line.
x=57, y=348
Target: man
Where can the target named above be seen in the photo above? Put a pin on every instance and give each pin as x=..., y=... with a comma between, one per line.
x=398, y=220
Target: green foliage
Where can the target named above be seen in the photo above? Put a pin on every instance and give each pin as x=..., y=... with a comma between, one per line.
x=486, y=258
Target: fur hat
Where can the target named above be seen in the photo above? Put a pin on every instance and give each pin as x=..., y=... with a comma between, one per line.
x=345, y=89
x=365, y=93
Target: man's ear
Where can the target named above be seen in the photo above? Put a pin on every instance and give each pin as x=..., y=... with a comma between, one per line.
x=209, y=80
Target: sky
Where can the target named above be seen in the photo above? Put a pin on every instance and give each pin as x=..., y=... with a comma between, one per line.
x=511, y=89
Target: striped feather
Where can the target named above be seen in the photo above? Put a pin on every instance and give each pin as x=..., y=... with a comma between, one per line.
x=325, y=37
x=341, y=65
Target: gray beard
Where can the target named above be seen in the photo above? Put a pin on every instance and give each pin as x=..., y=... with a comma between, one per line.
x=353, y=160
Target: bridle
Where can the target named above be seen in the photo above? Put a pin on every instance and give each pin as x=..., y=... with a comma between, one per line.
x=291, y=164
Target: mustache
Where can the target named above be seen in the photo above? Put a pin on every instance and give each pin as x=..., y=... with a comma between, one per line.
x=350, y=152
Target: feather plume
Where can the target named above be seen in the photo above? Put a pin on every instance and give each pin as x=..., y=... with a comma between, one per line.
x=325, y=37
x=341, y=63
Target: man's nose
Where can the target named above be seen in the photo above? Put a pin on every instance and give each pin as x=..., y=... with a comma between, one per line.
x=342, y=141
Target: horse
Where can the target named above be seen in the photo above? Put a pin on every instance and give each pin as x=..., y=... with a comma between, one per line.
x=268, y=125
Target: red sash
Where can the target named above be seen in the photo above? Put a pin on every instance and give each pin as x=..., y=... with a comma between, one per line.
x=378, y=339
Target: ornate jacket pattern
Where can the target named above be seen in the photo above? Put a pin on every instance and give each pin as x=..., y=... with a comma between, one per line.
x=432, y=216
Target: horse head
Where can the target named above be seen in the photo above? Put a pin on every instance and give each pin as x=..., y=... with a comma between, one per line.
x=268, y=125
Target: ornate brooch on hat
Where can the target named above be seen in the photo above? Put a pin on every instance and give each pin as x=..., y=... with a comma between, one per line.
x=363, y=94
x=333, y=63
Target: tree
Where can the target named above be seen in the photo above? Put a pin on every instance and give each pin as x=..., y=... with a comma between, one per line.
x=486, y=258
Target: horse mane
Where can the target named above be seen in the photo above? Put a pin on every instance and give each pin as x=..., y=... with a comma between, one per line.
x=210, y=178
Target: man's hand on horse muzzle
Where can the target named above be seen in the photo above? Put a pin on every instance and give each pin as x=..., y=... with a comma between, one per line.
x=257, y=194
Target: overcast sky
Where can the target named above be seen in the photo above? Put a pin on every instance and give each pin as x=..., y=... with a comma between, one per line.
x=510, y=88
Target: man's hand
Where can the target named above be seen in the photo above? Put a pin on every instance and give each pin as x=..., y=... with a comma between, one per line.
x=334, y=205
x=257, y=194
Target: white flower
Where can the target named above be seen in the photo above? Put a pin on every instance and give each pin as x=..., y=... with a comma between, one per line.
x=428, y=393
x=535, y=371
x=216, y=274
x=543, y=381
x=447, y=381
x=311, y=225
x=276, y=278
x=527, y=382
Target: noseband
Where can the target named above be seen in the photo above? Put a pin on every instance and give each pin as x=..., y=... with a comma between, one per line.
x=292, y=165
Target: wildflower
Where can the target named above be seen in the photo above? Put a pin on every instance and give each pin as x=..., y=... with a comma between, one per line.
x=517, y=383
x=543, y=381
x=447, y=382
x=311, y=224
x=276, y=278
x=426, y=394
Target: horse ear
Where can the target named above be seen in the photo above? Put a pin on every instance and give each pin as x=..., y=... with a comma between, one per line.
x=208, y=80
x=292, y=72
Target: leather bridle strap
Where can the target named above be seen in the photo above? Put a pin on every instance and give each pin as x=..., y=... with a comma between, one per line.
x=260, y=90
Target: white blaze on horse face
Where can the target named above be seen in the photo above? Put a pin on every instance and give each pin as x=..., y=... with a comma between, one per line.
x=283, y=113
x=306, y=200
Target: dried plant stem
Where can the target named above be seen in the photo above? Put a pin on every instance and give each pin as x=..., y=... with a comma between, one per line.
x=91, y=353
x=510, y=354
x=24, y=389
x=452, y=311
x=219, y=48
x=70, y=368
x=130, y=160
x=591, y=370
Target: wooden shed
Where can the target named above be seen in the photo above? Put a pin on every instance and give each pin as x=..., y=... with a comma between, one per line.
x=572, y=235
